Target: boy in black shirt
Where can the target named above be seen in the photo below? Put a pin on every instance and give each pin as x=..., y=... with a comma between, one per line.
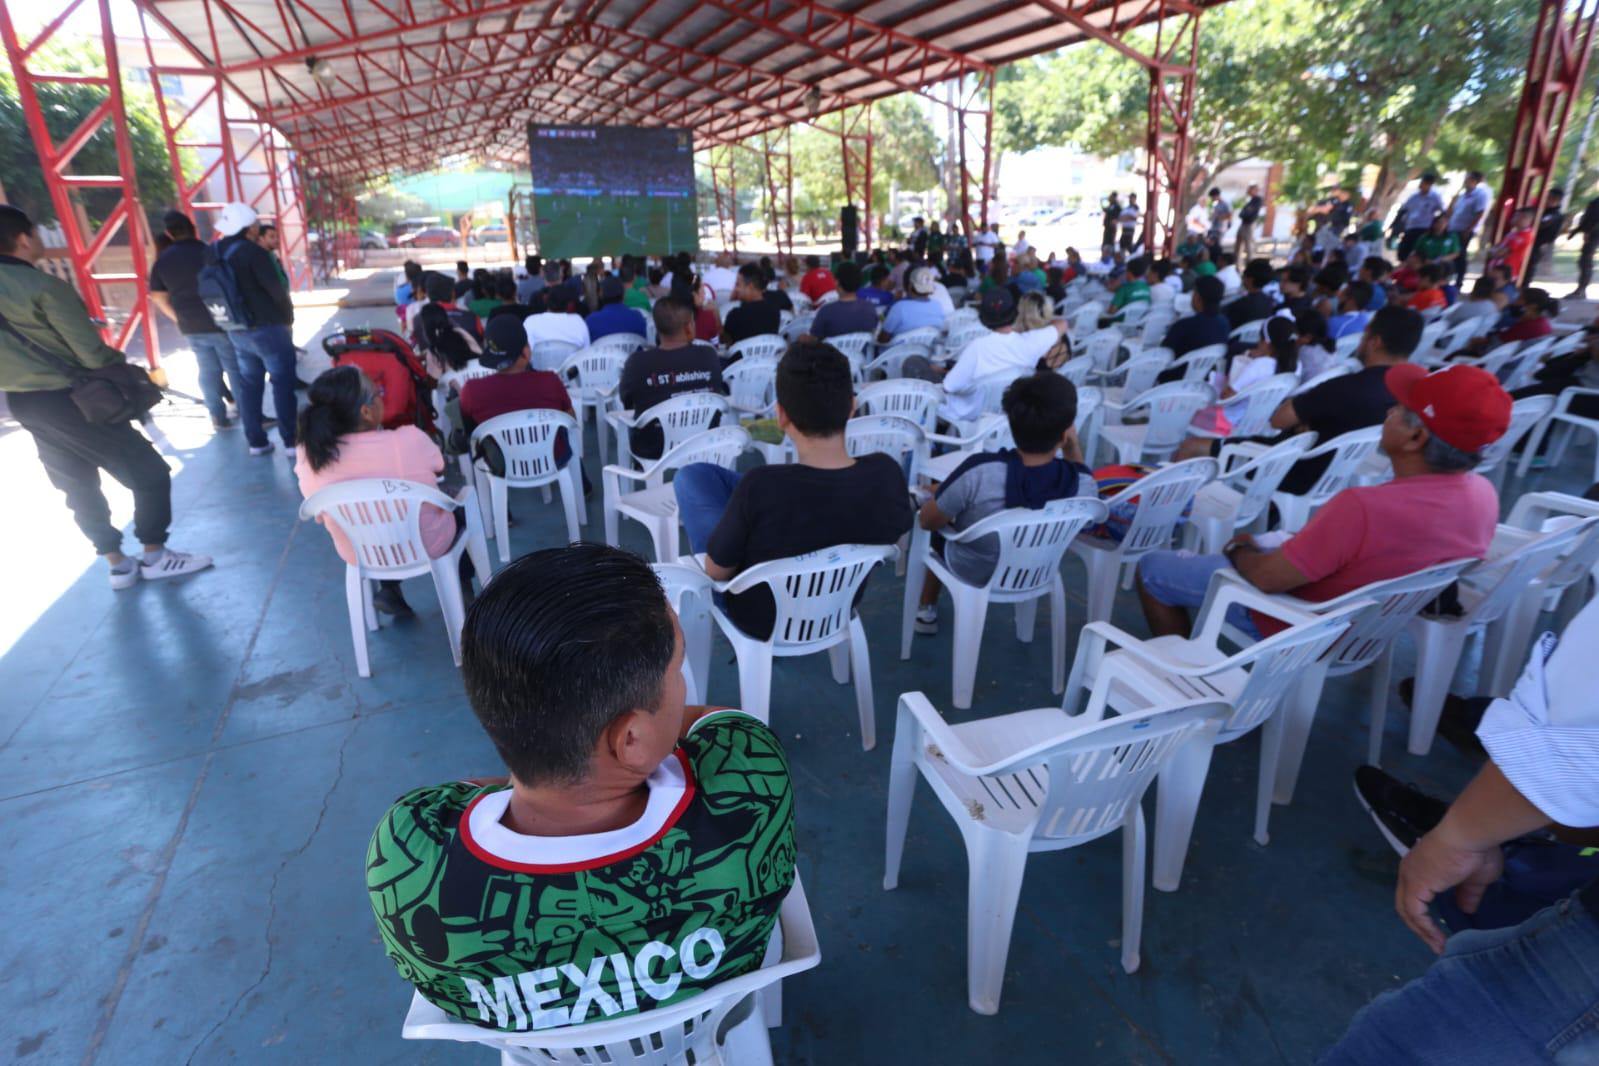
x=754, y=315
x=772, y=512
x=654, y=375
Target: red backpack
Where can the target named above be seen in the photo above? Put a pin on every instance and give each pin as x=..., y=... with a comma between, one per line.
x=392, y=365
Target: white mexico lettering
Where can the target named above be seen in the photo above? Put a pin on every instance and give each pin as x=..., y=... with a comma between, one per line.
x=685, y=954
x=505, y=1001
x=589, y=990
x=540, y=997
x=641, y=970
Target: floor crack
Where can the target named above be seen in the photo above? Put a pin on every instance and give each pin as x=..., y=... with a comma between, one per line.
x=272, y=896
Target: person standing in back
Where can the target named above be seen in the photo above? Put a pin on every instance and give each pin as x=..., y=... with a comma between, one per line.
x=174, y=288
x=46, y=337
x=266, y=346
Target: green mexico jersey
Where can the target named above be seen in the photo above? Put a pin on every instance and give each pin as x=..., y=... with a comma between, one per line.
x=521, y=932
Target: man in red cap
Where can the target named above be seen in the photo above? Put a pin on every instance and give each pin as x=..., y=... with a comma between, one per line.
x=1433, y=511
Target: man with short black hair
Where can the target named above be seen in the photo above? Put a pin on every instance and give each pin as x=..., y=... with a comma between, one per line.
x=1206, y=326
x=639, y=851
x=46, y=340
x=1466, y=212
x=848, y=313
x=676, y=365
x=613, y=316
x=175, y=289
x=1248, y=216
x=1255, y=303
x=818, y=280
x=1416, y=216
x=777, y=511
x=1002, y=350
x=1351, y=316
x=559, y=321
x=754, y=316
x=266, y=348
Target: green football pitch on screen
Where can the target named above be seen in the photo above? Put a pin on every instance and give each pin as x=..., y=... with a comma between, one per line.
x=572, y=227
x=612, y=190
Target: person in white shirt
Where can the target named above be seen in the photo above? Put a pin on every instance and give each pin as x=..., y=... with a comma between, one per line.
x=1002, y=350
x=558, y=322
x=984, y=243
x=1022, y=245
x=721, y=278
x=1227, y=273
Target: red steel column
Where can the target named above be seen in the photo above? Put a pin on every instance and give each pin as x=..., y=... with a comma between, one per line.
x=1556, y=64
x=85, y=250
x=975, y=125
x=1171, y=105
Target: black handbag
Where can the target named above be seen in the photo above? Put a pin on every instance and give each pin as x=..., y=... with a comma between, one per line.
x=121, y=392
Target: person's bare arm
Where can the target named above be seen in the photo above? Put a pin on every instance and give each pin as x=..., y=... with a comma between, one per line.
x=931, y=517
x=1071, y=449
x=1267, y=571
x=1285, y=417
x=717, y=572
x=1462, y=851
x=163, y=303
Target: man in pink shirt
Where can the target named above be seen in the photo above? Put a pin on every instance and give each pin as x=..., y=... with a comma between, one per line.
x=1433, y=511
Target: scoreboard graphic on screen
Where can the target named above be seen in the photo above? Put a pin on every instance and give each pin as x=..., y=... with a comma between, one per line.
x=612, y=190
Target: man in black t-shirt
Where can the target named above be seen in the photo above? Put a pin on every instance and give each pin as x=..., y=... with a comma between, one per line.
x=1588, y=226
x=174, y=288
x=1254, y=304
x=1248, y=215
x=772, y=512
x=1206, y=326
x=754, y=315
x=653, y=375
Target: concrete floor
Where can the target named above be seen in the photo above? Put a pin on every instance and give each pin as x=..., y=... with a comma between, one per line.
x=189, y=774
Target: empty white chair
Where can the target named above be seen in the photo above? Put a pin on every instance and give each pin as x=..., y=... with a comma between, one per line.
x=956, y=340
x=1249, y=333
x=1239, y=499
x=688, y=590
x=550, y=355
x=1031, y=544
x=1112, y=665
x=1033, y=781
x=452, y=381
x=702, y=1029
x=761, y=346
x=751, y=387
x=1562, y=589
x=1132, y=316
x=597, y=370
x=1562, y=419
x=1135, y=377
x=897, y=437
x=814, y=595
x=905, y=397
x=1349, y=452
x=1162, y=497
x=1085, y=319
x=1155, y=325
x=1254, y=406
x=654, y=505
x=1090, y=415
x=890, y=362
x=382, y=518
x=1169, y=409
x=1101, y=346
x=679, y=417
x=527, y=441
x=857, y=348
x=800, y=326
x=1491, y=592
x=1076, y=370
x=1198, y=364
x=1525, y=415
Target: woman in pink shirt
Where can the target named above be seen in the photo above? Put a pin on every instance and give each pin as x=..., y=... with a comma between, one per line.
x=341, y=438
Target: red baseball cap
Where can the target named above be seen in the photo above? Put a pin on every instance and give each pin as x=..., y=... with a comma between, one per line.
x=1463, y=406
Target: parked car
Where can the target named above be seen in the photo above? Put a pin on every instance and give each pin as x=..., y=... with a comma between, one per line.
x=494, y=232
x=432, y=237
x=374, y=239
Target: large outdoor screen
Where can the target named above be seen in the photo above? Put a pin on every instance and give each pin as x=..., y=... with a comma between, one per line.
x=612, y=190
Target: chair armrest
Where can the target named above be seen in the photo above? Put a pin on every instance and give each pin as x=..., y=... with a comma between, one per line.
x=1227, y=588
x=1563, y=404
x=622, y=471
x=1246, y=450
x=1535, y=508
x=984, y=425
x=939, y=738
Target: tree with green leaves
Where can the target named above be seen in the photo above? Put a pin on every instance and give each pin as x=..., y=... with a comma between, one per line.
x=65, y=107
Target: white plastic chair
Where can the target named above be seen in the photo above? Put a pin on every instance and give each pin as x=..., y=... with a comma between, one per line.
x=625, y=343
x=905, y=397
x=800, y=325
x=1322, y=378
x=1525, y=415
x=1085, y=320
x=890, y=362
x=761, y=346
x=1155, y=325
x=1260, y=401
x=814, y=595
x=1249, y=333
x=1346, y=346
x=1090, y=415
x=1491, y=593
x=527, y=441
x=1349, y=453
x=598, y=370
x=988, y=432
x=382, y=518
x=1111, y=663
x=1033, y=781
x=1076, y=370
x=1101, y=346
x=1132, y=316
x=752, y=387
x=688, y=590
x=899, y=438
x=1239, y=499
x=655, y=505
x=454, y=381
x=723, y=1024
x=1198, y=364
x=1162, y=497
x=956, y=340
x=680, y=417
x=1567, y=423
x=1031, y=543
x=857, y=348
x=1137, y=376
x=1169, y=408
x=550, y=355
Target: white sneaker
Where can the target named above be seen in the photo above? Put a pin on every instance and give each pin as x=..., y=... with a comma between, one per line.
x=125, y=579
x=263, y=449
x=173, y=564
x=927, y=619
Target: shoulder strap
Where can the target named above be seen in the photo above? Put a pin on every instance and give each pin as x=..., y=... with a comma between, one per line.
x=71, y=370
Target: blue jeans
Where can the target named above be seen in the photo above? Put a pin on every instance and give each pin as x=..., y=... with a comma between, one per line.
x=702, y=491
x=263, y=351
x=1180, y=578
x=214, y=354
x=1529, y=993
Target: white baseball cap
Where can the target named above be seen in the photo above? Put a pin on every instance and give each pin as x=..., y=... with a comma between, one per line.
x=921, y=281
x=235, y=218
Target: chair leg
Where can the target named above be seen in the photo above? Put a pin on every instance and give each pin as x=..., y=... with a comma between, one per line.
x=1182, y=783
x=996, y=863
x=1438, y=649
x=355, y=594
x=1271, y=747
x=1026, y=619
x=1529, y=447
x=447, y=582
x=696, y=623
x=901, y=791
x=368, y=610
x=755, y=678
x=1103, y=569
x=1057, y=635
x=1381, y=678
x=571, y=492
x=915, y=576
x=499, y=491
x=861, y=661
x=838, y=659
x=1506, y=643
x=1299, y=709
x=971, y=613
x=1132, y=887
